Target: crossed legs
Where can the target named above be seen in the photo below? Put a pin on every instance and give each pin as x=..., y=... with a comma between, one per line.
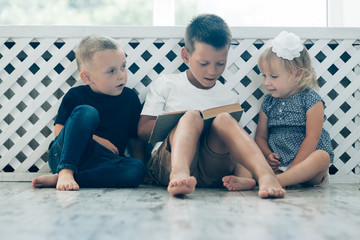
x=74, y=149
x=311, y=170
x=68, y=147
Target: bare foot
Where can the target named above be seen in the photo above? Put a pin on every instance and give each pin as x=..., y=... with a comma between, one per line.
x=269, y=187
x=234, y=183
x=66, y=181
x=181, y=185
x=49, y=180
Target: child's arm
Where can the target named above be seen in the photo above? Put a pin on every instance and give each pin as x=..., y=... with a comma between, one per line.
x=106, y=143
x=57, y=129
x=102, y=141
x=261, y=139
x=146, y=124
x=314, y=124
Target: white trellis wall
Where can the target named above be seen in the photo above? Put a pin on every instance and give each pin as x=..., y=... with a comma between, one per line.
x=37, y=68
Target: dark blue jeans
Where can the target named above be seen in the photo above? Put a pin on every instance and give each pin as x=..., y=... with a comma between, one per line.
x=93, y=164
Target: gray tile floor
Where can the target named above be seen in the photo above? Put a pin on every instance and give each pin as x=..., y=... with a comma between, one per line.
x=148, y=212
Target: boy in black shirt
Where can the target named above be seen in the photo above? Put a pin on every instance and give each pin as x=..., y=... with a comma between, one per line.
x=95, y=123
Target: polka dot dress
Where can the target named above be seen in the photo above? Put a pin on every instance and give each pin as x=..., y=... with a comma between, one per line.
x=287, y=124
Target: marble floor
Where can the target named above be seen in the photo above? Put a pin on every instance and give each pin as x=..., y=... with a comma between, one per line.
x=148, y=212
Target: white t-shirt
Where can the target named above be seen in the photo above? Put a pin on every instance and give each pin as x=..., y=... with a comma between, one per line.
x=174, y=92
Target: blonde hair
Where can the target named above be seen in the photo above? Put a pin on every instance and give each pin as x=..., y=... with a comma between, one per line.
x=92, y=44
x=308, y=78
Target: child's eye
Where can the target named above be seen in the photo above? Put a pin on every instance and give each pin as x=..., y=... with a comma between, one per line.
x=123, y=67
x=274, y=76
x=203, y=64
x=112, y=71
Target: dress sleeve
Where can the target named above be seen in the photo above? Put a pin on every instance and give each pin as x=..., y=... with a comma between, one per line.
x=310, y=99
x=265, y=104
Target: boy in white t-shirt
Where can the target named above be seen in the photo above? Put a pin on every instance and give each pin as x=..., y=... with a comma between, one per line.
x=187, y=157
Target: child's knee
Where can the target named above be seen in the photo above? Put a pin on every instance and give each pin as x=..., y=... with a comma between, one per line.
x=323, y=156
x=224, y=120
x=87, y=113
x=192, y=115
x=192, y=118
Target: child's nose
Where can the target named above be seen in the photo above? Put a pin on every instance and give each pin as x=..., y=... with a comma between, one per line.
x=212, y=70
x=266, y=81
x=121, y=75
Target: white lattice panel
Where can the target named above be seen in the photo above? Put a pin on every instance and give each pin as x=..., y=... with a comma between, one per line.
x=37, y=68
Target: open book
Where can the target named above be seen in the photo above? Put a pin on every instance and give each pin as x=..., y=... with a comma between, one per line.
x=167, y=121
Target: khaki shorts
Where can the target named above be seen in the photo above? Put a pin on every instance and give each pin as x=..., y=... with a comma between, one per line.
x=207, y=167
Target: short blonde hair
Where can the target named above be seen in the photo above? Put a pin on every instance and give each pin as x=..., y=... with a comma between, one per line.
x=92, y=44
x=303, y=62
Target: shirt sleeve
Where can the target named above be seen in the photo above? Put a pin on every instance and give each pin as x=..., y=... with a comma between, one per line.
x=66, y=107
x=156, y=98
x=135, y=116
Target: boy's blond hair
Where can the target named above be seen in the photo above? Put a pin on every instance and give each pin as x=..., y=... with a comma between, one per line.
x=308, y=78
x=92, y=44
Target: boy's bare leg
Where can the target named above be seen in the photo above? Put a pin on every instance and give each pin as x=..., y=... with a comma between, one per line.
x=44, y=181
x=241, y=180
x=184, y=140
x=244, y=149
x=311, y=170
x=63, y=181
x=66, y=181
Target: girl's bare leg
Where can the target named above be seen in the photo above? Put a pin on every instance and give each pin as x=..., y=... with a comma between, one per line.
x=311, y=171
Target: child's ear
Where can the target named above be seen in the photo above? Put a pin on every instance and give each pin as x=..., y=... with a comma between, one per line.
x=299, y=74
x=85, y=77
x=185, y=54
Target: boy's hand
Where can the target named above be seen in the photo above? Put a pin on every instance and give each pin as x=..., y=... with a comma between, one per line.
x=145, y=126
x=273, y=161
x=106, y=143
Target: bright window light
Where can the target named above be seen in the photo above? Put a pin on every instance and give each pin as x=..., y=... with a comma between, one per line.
x=264, y=13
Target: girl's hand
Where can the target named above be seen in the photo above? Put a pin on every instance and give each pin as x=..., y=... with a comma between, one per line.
x=273, y=161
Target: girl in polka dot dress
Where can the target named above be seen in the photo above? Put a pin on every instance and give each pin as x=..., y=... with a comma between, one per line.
x=290, y=129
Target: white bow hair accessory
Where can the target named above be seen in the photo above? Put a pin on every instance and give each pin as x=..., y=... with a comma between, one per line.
x=287, y=45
